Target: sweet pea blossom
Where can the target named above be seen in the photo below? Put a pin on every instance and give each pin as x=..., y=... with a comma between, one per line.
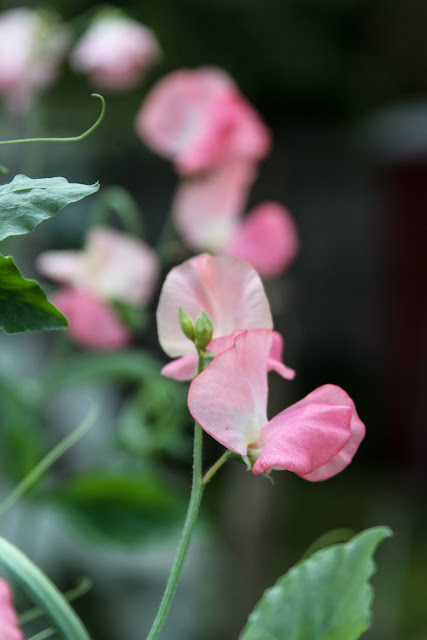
x=32, y=44
x=207, y=212
x=228, y=289
x=199, y=120
x=315, y=438
x=9, y=628
x=113, y=266
x=231, y=292
x=115, y=52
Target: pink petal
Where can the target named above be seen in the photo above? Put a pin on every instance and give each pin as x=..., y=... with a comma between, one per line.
x=118, y=266
x=229, y=398
x=316, y=437
x=60, y=266
x=173, y=113
x=90, y=321
x=115, y=51
x=267, y=239
x=9, y=628
x=275, y=359
x=205, y=207
x=198, y=119
x=182, y=369
x=229, y=290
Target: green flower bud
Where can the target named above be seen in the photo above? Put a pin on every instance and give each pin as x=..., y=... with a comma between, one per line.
x=186, y=324
x=203, y=330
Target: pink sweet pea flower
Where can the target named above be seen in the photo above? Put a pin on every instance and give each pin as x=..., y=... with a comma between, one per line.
x=32, y=45
x=91, y=322
x=112, y=266
x=199, y=120
x=228, y=289
x=9, y=628
x=207, y=212
x=115, y=52
x=206, y=207
x=315, y=438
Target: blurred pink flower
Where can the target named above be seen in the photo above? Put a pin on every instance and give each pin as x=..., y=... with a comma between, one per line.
x=112, y=266
x=207, y=212
x=9, y=628
x=115, y=52
x=228, y=289
x=315, y=438
x=206, y=206
x=91, y=322
x=199, y=120
x=32, y=44
x=267, y=238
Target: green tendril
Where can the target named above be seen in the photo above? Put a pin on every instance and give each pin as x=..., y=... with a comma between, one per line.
x=70, y=139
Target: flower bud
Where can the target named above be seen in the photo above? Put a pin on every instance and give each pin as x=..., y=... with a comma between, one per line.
x=186, y=324
x=203, y=330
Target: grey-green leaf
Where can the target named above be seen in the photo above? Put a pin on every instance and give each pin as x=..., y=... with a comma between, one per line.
x=25, y=202
x=23, y=303
x=326, y=597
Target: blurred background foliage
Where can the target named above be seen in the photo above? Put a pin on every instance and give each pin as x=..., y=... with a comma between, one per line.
x=343, y=86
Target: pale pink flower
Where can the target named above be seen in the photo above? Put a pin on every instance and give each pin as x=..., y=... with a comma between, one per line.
x=207, y=212
x=199, y=120
x=206, y=207
x=32, y=45
x=267, y=238
x=228, y=289
x=315, y=438
x=112, y=266
x=9, y=628
x=115, y=52
x=91, y=322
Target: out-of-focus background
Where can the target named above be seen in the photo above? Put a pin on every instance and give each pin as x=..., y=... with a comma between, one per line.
x=342, y=84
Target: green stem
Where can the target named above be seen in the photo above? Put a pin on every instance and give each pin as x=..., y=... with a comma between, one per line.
x=82, y=588
x=44, y=464
x=190, y=520
x=214, y=468
x=70, y=139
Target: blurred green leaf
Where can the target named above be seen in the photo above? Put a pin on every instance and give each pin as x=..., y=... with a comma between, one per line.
x=153, y=419
x=135, y=317
x=129, y=366
x=25, y=202
x=121, y=508
x=23, y=303
x=21, y=441
x=327, y=597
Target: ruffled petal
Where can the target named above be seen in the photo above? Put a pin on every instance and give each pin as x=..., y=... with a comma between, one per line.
x=229, y=290
x=229, y=398
x=315, y=438
x=181, y=369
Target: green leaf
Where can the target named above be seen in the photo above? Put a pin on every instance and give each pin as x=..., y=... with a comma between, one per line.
x=43, y=592
x=25, y=202
x=23, y=303
x=326, y=597
x=122, y=508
